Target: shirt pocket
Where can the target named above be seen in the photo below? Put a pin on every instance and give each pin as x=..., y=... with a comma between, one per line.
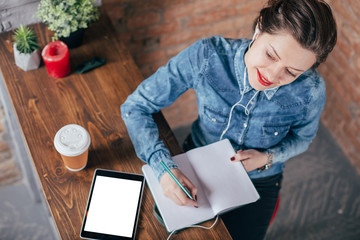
x=272, y=135
x=214, y=120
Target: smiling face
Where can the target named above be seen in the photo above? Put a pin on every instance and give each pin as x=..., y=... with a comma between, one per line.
x=275, y=60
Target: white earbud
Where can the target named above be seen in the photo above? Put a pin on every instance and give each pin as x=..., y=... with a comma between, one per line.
x=254, y=36
x=255, y=33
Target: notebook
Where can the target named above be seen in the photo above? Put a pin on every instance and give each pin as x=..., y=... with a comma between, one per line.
x=222, y=185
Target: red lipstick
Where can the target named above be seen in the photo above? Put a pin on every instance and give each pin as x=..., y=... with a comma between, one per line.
x=262, y=80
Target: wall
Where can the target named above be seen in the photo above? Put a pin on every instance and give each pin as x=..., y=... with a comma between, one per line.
x=156, y=30
x=342, y=111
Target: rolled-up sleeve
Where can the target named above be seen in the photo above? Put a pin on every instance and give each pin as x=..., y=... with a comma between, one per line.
x=158, y=91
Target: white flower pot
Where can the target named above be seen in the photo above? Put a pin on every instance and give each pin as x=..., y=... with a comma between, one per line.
x=27, y=61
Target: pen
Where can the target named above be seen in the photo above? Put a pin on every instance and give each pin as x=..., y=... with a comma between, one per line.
x=176, y=180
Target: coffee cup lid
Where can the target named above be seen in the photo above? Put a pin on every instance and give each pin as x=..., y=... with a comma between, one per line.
x=72, y=140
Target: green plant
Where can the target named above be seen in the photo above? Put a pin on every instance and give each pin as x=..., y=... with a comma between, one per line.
x=65, y=17
x=25, y=39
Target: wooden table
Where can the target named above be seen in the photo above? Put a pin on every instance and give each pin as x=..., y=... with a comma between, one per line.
x=43, y=105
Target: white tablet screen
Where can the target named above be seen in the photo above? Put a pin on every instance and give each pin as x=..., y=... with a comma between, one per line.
x=113, y=206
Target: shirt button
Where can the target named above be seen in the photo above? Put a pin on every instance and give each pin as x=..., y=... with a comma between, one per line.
x=213, y=119
x=276, y=133
x=240, y=140
x=126, y=114
x=245, y=125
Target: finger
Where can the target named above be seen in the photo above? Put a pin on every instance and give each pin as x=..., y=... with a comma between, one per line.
x=170, y=193
x=239, y=156
x=176, y=199
x=183, y=199
x=191, y=187
x=245, y=163
x=245, y=155
x=193, y=191
x=235, y=158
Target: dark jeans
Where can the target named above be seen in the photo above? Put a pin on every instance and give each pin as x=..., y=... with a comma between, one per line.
x=251, y=221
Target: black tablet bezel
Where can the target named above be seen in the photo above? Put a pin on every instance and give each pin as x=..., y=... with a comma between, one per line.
x=115, y=174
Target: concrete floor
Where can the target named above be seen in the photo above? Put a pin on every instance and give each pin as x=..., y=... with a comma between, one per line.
x=22, y=217
x=320, y=197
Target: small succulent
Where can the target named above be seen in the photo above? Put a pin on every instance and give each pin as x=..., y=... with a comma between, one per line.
x=25, y=39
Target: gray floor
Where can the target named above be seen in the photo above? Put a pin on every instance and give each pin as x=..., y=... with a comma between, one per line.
x=320, y=199
x=320, y=195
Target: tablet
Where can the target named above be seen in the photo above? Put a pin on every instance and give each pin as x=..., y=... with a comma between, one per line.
x=113, y=205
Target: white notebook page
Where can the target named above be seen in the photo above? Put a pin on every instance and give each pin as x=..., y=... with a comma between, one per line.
x=225, y=183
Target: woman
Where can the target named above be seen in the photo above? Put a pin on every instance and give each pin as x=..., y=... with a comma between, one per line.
x=264, y=95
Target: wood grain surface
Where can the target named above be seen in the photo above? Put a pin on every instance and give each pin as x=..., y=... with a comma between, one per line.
x=43, y=105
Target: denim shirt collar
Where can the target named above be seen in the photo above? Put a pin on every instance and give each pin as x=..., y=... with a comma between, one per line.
x=239, y=66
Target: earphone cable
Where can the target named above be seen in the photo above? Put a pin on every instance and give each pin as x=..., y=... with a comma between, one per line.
x=247, y=112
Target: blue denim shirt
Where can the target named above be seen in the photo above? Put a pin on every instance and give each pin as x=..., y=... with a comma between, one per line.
x=281, y=120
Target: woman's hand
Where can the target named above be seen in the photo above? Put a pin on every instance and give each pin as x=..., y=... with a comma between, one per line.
x=251, y=159
x=174, y=192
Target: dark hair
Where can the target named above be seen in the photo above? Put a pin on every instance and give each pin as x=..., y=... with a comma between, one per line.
x=310, y=22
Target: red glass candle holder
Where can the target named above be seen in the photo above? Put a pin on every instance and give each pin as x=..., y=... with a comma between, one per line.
x=56, y=59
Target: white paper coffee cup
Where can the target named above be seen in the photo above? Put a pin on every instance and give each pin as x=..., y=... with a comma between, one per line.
x=72, y=142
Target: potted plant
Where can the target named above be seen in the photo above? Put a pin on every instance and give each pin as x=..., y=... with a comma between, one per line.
x=68, y=19
x=26, y=47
